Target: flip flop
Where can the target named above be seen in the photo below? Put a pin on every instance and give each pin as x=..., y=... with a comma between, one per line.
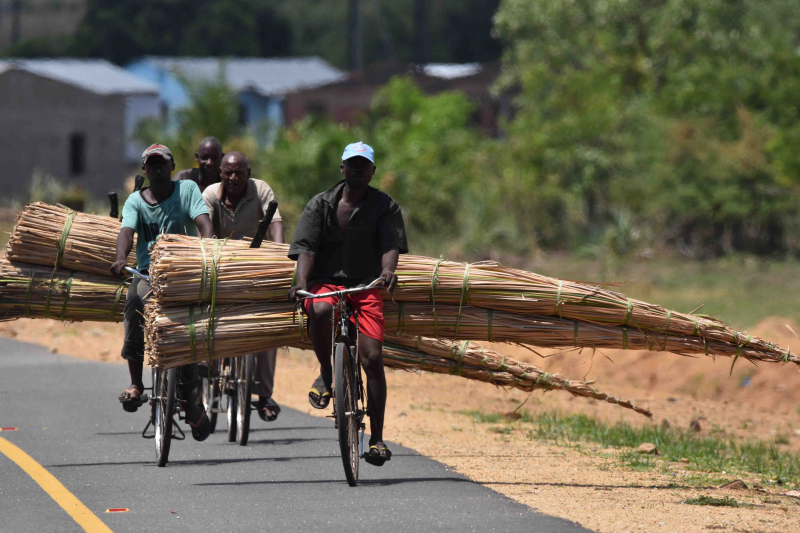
x=378, y=454
x=130, y=403
x=267, y=405
x=319, y=396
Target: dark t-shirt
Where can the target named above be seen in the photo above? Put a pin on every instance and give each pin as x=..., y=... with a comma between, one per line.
x=349, y=256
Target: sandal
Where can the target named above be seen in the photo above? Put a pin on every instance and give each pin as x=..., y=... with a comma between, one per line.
x=378, y=454
x=130, y=402
x=267, y=409
x=320, y=395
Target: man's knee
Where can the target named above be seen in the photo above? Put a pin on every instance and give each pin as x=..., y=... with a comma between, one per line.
x=371, y=354
x=320, y=313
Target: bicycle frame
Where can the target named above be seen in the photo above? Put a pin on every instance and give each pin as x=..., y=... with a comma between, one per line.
x=340, y=332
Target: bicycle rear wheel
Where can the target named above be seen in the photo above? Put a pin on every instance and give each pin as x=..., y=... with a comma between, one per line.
x=244, y=384
x=346, y=411
x=165, y=387
x=210, y=392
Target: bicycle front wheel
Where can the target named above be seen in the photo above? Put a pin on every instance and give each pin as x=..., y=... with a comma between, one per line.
x=244, y=383
x=346, y=411
x=230, y=391
x=165, y=386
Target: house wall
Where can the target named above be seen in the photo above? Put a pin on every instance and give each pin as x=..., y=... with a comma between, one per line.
x=138, y=107
x=37, y=117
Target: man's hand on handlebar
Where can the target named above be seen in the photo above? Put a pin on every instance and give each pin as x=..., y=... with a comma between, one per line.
x=118, y=269
x=389, y=280
x=301, y=286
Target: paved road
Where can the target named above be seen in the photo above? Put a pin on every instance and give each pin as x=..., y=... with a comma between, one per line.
x=289, y=478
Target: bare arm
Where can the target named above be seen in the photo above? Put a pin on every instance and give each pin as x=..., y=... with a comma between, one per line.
x=276, y=232
x=305, y=265
x=389, y=265
x=204, y=226
x=124, y=245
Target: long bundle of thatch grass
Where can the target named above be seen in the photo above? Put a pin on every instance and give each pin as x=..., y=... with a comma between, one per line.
x=188, y=270
x=474, y=362
x=34, y=291
x=179, y=335
x=55, y=236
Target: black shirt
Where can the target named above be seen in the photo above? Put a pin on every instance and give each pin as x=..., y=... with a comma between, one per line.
x=349, y=256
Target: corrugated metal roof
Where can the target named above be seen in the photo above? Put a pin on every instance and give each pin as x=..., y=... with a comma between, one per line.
x=95, y=75
x=265, y=76
x=450, y=71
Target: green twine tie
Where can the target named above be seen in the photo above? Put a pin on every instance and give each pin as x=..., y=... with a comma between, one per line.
x=62, y=244
x=192, y=339
x=203, y=275
x=117, y=298
x=558, y=298
x=68, y=287
x=628, y=313
x=28, y=293
x=458, y=368
x=489, y=314
x=434, y=282
x=464, y=290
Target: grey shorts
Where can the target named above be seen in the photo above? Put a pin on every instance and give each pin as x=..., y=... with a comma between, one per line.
x=133, y=319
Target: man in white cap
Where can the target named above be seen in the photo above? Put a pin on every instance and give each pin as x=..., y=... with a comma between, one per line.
x=349, y=236
x=169, y=207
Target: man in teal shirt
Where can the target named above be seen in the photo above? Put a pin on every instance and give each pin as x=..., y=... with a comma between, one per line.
x=168, y=207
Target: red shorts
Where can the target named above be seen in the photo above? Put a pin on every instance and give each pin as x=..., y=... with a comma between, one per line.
x=368, y=305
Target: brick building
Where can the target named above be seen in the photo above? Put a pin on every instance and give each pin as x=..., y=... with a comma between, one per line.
x=72, y=119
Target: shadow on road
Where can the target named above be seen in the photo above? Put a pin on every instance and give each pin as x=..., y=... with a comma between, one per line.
x=373, y=482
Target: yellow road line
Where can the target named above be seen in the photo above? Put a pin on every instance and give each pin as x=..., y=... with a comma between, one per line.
x=72, y=505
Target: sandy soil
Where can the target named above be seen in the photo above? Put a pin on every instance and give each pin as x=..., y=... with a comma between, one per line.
x=586, y=485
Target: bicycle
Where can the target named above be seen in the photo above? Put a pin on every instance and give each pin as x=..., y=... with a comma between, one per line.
x=165, y=400
x=234, y=379
x=235, y=375
x=349, y=406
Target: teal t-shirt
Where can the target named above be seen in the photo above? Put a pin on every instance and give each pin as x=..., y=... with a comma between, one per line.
x=176, y=214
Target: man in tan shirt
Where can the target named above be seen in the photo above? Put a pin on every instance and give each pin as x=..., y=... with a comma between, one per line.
x=236, y=205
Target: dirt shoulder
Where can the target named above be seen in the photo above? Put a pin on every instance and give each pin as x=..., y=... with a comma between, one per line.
x=583, y=483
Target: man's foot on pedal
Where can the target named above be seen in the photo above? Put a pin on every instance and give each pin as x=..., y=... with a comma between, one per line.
x=320, y=394
x=267, y=409
x=378, y=454
x=201, y=427
x=131, y=398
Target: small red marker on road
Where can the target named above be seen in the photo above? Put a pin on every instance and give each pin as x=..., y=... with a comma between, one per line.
x=8, y=429
x=118, y=510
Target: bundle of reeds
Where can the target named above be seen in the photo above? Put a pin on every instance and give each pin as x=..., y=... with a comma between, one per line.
x=474, y=362
x=34, y=291
x=188, y=270
x=180, y=335
x=55, y=236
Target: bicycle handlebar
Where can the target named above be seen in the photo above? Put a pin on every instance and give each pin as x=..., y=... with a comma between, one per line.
x=136, y=273
x=307, y=295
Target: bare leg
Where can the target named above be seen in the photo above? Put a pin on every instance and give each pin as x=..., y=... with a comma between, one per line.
x=370, y=351
x=319, y=328
x=135, y=367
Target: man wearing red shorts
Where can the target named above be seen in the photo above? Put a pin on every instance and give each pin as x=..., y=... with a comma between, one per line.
x=349, y=236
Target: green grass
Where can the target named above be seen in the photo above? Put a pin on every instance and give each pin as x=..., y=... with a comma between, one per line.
x=713, y=453
x=740, y=291
x=710, y=500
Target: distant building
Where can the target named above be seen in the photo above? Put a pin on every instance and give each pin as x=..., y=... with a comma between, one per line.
x=27, y=19
x=70, y=118
x=261, y=83
x=349, y=99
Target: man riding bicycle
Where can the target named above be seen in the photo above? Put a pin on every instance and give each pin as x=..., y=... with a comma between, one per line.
x=169, y=207
x=236, y=206
x=348, y=236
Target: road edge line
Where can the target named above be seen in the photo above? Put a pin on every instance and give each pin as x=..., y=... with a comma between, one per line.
x=53, y=487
